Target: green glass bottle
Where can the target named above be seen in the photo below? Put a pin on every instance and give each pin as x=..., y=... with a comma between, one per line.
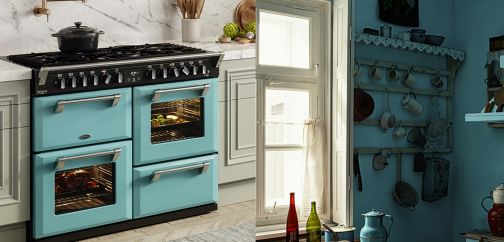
x=313, y=229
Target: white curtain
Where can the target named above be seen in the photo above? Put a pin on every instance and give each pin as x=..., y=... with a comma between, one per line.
x=315, y=167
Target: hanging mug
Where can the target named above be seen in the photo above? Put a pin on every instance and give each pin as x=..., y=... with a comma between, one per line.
x=409, y=103
x=437, y=81
x=356, y=69
x=399, y=131
x=374, y=73
x=393, y=74
x=409, y=79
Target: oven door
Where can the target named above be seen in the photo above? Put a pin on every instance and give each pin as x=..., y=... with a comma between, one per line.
x=175, y=120
x=81, y=188
x=70, y=120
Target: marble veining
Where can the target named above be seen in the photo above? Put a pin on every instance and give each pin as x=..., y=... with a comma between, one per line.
x=125, y=22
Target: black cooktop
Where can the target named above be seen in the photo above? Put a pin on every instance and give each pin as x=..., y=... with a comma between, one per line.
x=116, y=53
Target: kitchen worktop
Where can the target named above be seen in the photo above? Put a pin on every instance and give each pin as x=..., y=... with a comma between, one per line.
x=232, y=51
x=13, y=72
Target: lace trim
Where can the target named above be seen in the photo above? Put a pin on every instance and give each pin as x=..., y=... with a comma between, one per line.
x=368, y=39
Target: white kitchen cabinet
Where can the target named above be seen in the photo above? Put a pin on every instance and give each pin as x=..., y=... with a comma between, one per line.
x=237, y=121
x=14, y=152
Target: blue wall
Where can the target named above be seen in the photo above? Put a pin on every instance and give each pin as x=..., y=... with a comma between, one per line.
x=430, y=221
x=478, y=149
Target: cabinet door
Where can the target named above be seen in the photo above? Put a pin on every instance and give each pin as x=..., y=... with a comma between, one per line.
x=239, y=116
x=14, y=152
x=14, y=175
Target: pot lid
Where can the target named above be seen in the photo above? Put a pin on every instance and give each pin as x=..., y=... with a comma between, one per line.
x=499, y=187
x=78, y=31
x=373, y=213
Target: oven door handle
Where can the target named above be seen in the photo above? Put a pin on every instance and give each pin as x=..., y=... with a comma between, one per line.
x=157, y=94
x=60, y=105
x=202, y=169
x=60, y=162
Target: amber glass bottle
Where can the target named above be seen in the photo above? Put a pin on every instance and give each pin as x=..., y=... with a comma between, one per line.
x=292, y=229
x=313, y=229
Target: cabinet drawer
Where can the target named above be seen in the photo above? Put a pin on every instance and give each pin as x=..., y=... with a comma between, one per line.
x=174, y=185
x=84, y=118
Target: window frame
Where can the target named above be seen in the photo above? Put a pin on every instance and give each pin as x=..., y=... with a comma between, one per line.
x=317, y=78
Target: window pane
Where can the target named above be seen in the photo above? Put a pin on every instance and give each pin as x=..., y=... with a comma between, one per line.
x=284, y=40
x=286, y=111
x=283, y=176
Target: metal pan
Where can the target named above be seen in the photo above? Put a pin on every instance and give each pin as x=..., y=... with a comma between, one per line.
x=404, y=194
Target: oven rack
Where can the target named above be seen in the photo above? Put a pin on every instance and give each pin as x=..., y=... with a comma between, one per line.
x=174, y=135
x=186, y=104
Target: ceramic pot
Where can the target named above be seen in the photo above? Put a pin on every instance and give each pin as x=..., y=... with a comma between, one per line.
x=496, y=214
x=373, y=230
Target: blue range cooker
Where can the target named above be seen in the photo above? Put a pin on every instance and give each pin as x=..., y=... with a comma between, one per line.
x=122, y=137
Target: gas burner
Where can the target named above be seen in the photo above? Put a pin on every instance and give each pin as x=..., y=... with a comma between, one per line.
x=116, y=53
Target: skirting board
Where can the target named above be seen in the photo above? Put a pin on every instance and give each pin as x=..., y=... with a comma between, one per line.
x=236, y=192
x=13, y=233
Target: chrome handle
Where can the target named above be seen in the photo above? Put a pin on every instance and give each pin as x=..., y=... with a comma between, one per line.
x=60, y=105
x=157, y=93
x=157, y=174
x=60, y=163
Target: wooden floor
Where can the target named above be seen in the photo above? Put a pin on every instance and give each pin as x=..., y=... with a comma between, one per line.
x=224, y=217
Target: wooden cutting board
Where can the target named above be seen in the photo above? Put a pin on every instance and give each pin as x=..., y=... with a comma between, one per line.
x=245, y=12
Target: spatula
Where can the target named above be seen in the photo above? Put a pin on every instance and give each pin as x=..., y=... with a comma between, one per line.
x=199, y=7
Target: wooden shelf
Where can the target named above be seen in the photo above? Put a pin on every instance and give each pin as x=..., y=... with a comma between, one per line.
x=494, y=89
x=376, y=122
x=403, y=150
x=399, y=44
x=404, y=90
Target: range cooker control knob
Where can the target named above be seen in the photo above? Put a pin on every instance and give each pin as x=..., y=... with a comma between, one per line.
x=163, y=73
x=118, y=77
x=106, y=78
x=193, y=70
x=83, y=81
x=60, y=83
x=204, y=69
x=174, y=71
x=185, y=71
x=151, y=74
x=72, y=81
x=94, y=79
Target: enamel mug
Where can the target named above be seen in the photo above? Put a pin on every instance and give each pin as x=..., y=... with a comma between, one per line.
x=410, y=103
x=437, y=81
x=374, y=73
x=393, y=74
x=409, y=79
x=400, y=132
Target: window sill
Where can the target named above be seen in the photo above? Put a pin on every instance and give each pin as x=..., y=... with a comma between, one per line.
x=277, y=231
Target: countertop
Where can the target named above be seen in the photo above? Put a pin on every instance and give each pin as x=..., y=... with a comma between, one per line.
x=12, y=72
x=232, y=51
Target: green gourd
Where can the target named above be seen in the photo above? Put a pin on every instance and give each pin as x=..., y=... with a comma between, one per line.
x=251, y=27
x=231, y=30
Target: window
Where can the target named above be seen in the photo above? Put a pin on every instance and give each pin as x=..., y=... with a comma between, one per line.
x=296, y=85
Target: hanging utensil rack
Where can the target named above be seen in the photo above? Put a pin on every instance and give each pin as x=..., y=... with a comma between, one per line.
x=454, y=60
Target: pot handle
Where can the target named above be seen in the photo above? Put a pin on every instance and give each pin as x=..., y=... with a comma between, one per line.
x=483, y=204
x=390, y=226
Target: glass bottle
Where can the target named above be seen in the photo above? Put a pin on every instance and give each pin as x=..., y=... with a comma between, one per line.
x=313, y=229
x=292, y=229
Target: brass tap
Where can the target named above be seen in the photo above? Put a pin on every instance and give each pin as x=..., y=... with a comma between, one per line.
x=40, y=10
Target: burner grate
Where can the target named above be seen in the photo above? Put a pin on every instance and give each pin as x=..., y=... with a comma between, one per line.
x=116, y=53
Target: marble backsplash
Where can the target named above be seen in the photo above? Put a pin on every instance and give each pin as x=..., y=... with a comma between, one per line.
x=124, y=22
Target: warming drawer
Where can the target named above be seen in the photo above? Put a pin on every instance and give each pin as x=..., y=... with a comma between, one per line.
x=80, y=188
x=174, y=185
x=71, y=120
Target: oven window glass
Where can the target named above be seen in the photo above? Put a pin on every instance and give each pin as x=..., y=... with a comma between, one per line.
x=84, y=188
x=176, y=120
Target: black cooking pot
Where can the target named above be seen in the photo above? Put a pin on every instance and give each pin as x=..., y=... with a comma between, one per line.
x=78, y=38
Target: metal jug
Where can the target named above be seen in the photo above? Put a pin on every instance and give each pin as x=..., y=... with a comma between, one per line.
x=373, y=230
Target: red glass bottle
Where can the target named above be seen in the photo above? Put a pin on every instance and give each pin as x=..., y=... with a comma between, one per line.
x=292, y=231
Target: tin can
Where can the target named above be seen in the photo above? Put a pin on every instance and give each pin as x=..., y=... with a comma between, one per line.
x=386, y=31
x=341, y=234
